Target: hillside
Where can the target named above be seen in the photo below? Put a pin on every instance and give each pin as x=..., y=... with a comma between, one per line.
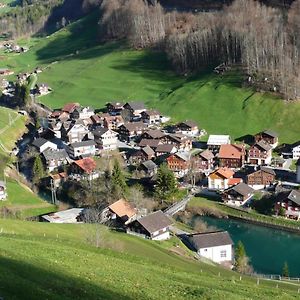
x=53, y=262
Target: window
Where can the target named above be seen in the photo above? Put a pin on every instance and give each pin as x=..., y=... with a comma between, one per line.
x=223, y=253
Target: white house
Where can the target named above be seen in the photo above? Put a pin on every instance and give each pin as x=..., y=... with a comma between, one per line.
x=72, y=215
x=42, y=144
x=222, y=179
x=215, y=141
x=154, y=226
x=296, y=150
x=106, y=139
x=83, y=149
x=216, y=246
x=3, y=194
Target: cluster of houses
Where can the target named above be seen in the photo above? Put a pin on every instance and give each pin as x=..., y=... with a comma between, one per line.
x=10, y=47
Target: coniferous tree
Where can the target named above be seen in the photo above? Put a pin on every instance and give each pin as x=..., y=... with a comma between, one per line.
x=285, y=270
x=38, y=171
x=119, y=186
x=241, y=259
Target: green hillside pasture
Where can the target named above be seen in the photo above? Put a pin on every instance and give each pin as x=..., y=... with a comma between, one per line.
x=24, y=202
x=79, y=69
x=51, y=261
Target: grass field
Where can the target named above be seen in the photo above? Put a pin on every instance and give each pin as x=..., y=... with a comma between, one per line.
x=46, y=261
x=79, y=69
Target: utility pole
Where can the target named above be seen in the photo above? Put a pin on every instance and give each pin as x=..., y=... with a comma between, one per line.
x=53, y=192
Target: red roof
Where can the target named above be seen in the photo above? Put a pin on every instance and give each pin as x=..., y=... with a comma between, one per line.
x=230, y=151
x=88, y=165
x=70, y=107
x=234, y=181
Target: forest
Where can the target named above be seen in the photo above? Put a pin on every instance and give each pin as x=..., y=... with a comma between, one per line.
x=262, y=40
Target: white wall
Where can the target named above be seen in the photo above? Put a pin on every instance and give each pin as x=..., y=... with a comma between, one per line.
x=161, y=237
x=214, y=253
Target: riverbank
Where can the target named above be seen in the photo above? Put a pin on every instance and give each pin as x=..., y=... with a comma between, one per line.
x=203, y=206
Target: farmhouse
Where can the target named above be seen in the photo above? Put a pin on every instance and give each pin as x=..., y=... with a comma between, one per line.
x=42, y=144
x=219, y=179
x=268, y=136
x=151, y=116
x=216, y=246
x=165, y=149
x=42, y=89
x=144, y=154
x=260, y=153
x=3, y=193
x=232, y=156
x=290, y=203
x=215, y=141
x=238, y=195
x=179, y=163
x=121, y=211
x=205, y=160
x=83, y=113
x=115, y=108
x=154, y=226
x=153, y=134
x=75, y=131
x=84, y=168
x=130, y=131
x=261, y=178
x=135, y=108
x=153, y=143
x=188, y=127
x=70, y=107
x=113, y=122
x=149, y=167
x=73, y=215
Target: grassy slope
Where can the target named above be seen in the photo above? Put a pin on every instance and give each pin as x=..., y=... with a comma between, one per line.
x=97, y=74
x=34, y=266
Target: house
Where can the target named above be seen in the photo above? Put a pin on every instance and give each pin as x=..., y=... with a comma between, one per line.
x=165, y=149
x=3, y=193
x=218, y=179
x=238, y=195
x=73, y=215
x=216, y=246
x=153, y=134
x=155, y=226
x=261, y=178
x=105, y=139
x=151, y=116
x=130, y=131
x=289, y=202
x=135, y=109
x=260, y=153
x=58, y=179
x=215, y=141
x=43, y=89
x=70, y=107
x=152, y=143
x=113, y=122
x=188, y=128
x=84, y=168
x=179, y=163
x=269, y=136
x=231, y=156
x=42, y=144
x=82, y=149
x=295, y=150
x=182, y=142
x=55, y=158
x=6, y=72
x=115, y=108
x=205, y=160
x=122, y=212
x=74, y=131
x=144, y=154
x=149, y=167
x=96, y=120
x=82, y=113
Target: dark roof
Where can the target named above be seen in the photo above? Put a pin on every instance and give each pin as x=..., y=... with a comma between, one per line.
x=83, y=143
x=149, y=142
x=149, y=165
x=268, y=170
x=188, y=123
x=136, y=105
x=210, y=239
x=242, y=189
x=207, y=154
x=39, y=142
x=100, y=131
x=55, y=154
x=263, y=145
x=166, y=148
x=271, y=133
x=134, y=126
x=148, y=151
x=155, y=134
x=151, y=112
x=293, y=196
x=155, y=221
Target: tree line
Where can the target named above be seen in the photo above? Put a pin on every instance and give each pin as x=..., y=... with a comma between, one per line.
x=265, y=41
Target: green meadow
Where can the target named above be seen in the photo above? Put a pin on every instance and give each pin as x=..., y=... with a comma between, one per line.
x=49, y=261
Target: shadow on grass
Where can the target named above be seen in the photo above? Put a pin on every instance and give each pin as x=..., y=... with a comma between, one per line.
x=20, y=280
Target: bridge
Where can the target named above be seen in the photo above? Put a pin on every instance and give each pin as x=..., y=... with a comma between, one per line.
x=179, y=206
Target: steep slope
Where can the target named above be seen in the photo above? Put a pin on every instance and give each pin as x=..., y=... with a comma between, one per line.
x=53, y=262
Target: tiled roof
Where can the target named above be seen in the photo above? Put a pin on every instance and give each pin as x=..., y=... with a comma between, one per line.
x=88, y=165
x=122, y=209
x=230, y=151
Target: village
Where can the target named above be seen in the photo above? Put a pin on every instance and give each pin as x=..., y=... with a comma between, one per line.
x=71, y=141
